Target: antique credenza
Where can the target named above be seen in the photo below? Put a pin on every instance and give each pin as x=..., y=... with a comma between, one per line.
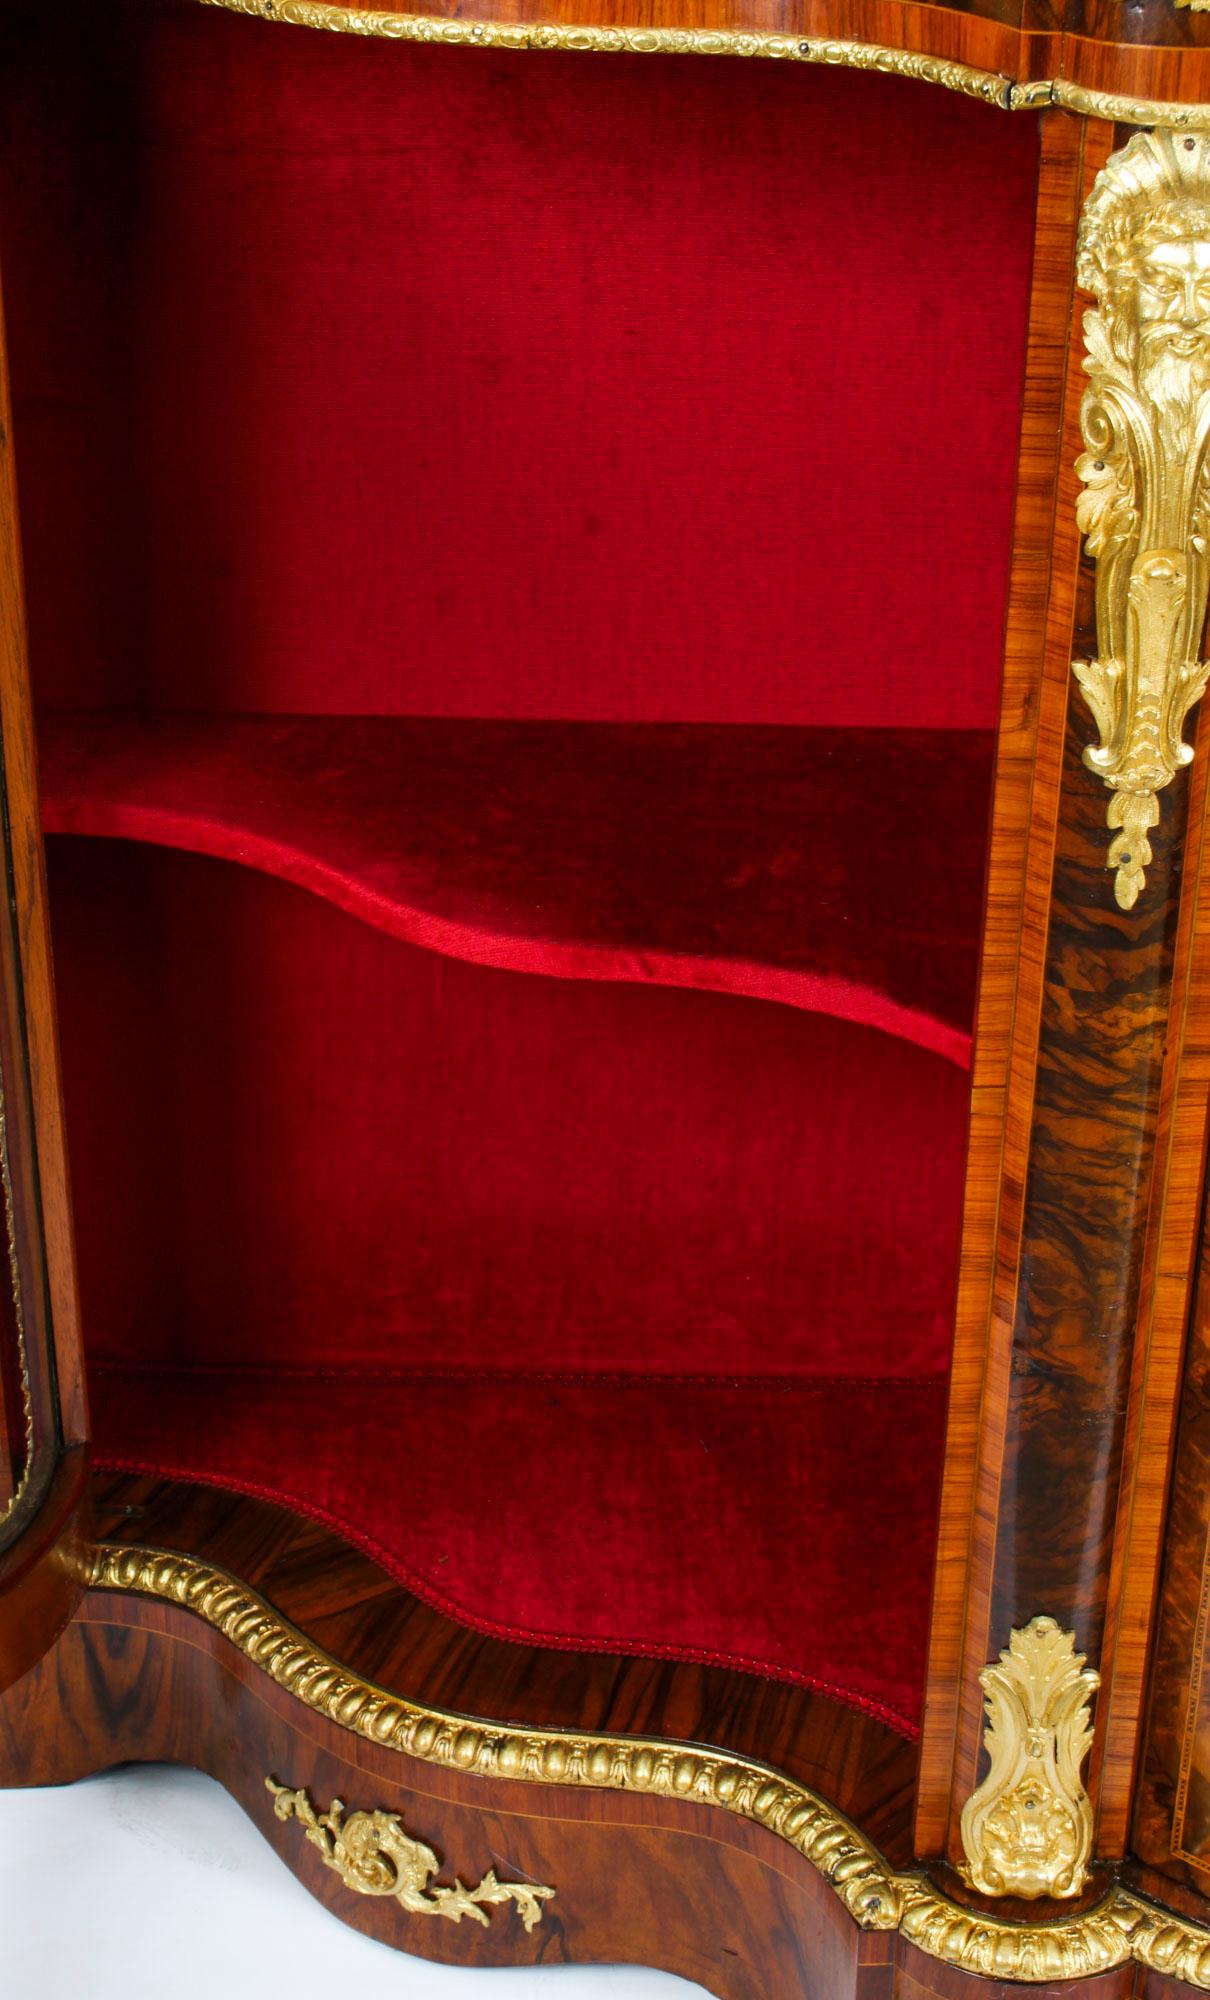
x=621, y=804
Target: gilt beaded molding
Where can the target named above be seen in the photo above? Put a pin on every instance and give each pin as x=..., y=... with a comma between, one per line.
x=460, y=32
x=1121, y=1928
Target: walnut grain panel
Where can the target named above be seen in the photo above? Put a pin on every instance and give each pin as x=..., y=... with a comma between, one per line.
x=1166, y=1288
x=1096, y=1107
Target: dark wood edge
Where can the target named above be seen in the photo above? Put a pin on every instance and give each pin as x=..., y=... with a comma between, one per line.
x=42, y=1572
x=42, y=1222
x=39, y=1570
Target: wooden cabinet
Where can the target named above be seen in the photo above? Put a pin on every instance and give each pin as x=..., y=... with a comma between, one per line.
x=636, y=1041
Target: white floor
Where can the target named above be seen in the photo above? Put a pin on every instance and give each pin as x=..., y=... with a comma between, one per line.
x=150, y=1884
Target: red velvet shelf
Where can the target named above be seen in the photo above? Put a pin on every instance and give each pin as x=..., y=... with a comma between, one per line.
x=637, y=1262
x=802, y=865
x=296, y=1138
x=781, y=1527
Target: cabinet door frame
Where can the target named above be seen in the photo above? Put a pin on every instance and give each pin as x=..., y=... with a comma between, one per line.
x=1090, y=1119
x=41, y=1519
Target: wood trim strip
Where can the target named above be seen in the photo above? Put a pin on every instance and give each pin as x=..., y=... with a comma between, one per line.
x=42, y=1198
x=1024, y=829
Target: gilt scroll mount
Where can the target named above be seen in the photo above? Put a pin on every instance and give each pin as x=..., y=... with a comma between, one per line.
x=1144, y=254
x=374, y=1855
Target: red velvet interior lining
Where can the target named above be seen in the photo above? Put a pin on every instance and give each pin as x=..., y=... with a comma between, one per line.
x=396, y=381
x=718, y=1224
x=692, y=1519
x=301, y=1141
x=392, y=379
x=769, y=862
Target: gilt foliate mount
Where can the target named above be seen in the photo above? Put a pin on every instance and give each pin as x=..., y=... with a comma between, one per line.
x=1028, y=1829
x=1144, y=254
x=374, y=1855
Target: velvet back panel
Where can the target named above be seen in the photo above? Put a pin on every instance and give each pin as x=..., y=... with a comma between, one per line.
x=372, y=378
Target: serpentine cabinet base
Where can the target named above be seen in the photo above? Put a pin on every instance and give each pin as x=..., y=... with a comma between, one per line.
x=511, y=1843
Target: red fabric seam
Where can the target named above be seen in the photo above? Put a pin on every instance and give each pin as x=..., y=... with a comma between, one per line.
x=814, y=1384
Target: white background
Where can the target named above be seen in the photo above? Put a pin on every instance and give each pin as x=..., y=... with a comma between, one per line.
x=149, y=1883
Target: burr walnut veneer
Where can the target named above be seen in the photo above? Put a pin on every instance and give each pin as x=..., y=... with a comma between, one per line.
x=616, y=651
